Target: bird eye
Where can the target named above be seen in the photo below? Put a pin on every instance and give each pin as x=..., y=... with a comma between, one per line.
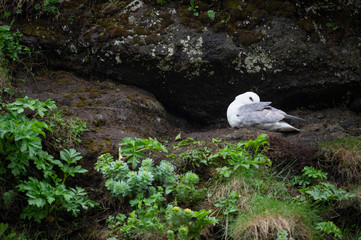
x=250, y=98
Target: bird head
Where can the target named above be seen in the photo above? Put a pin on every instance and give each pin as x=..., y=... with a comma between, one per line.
x=248, y=97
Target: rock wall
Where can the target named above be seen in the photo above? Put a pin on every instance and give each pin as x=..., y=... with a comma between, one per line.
x=294, y=54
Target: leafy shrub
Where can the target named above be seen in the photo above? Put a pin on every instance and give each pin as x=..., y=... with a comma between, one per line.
x=325, y=193
x=185, y=142
x=145, y=219
x=135, y=176
x=316, y=189
x=133, y=149
x=47, y=6
x=310, y=175
x=328, y=228
x=150, y=217
x=238, y=156
x=21, y=148
x=44, y=197
x=20, y=137
x=228, y=205
x=65, y=132
x=123, y=182
x=185, y=223
x=3, y=228
x=196, y=158
x=186, y=192
x=10, y=47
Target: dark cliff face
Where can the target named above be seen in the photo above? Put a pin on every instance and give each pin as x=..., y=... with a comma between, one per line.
x=291, y=53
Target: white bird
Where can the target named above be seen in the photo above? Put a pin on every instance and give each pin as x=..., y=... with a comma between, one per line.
x=248, y=111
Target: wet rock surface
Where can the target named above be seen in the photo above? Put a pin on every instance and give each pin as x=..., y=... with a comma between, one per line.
x=110, y=111
x=195, y=66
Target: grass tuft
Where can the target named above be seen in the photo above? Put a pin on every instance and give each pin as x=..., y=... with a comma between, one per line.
x=265, y=217
x=345, y=153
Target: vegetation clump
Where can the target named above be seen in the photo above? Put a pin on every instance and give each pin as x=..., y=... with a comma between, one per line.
x=27, y=168
x=345, y=155
x=147, y=187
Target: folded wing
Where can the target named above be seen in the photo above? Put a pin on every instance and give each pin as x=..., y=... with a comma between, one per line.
x=259, y=113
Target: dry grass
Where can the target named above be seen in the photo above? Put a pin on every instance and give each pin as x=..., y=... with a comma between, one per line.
x=266, y=227
x=346, y=155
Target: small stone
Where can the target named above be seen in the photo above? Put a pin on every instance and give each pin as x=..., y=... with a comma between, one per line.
x=320, y=115
x=99, y=120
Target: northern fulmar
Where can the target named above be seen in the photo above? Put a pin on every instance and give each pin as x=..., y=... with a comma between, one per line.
x=248, y=111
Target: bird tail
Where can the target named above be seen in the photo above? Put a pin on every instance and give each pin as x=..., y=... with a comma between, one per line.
x=287, y=116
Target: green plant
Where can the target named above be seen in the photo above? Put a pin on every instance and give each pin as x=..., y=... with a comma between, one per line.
x=51, y=194
x=21, y=145
x=310, y=175
x=8, y=197
x=255, y=145
x=283, y=235
x=133, y=149
x=161, y=2
x=193, y=8
x=185, y=223
x=123, y=182
x=10, y=236
x=10, y=47
x=185, y=142
x=224, y=173
x=211, y=14
x=47, y=6
x=19, y=136
x=226, y=18
x=238, y=157
x=150, y=217
x=145, y=218
x=186, y=192
x=328, y=228
x=66, y=132
x=146, y=185
x=332, y=26
x=195, y=158
x=325, y=193
x=228, y=205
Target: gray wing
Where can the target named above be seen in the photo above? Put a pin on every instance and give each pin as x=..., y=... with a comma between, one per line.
x=258, y=113
x=252, y=107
